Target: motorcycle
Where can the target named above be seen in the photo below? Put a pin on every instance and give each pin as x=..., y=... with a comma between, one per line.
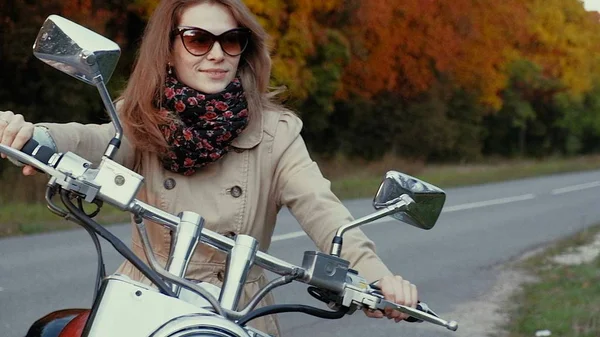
x=175, y=306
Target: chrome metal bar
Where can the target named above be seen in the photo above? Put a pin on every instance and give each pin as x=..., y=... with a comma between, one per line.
x=29, y=160
x=174, y=279
x=262, y=259
x=239, y=262
x=154, y=214
x=450, y=325
x=184, y=242
x=216, y=240
x=111, y=150
x=404, y=201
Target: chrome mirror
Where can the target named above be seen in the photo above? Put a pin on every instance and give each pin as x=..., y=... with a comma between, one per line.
x=428, y=199
x=76, y=50
x=83, y=54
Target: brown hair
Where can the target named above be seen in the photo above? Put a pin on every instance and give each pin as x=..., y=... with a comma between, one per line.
x=138, y=112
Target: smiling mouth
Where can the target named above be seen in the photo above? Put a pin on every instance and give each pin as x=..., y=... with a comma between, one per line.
x=216, y=72
x=216, y=75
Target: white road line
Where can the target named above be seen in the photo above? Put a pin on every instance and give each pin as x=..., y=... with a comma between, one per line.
x=488, y=203
x=449, y=209
x=575, y=188
x=288, y=236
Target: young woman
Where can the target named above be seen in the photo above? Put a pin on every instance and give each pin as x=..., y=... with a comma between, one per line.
x=201, y=128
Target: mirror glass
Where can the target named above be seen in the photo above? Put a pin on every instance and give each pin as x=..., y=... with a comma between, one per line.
x=76, y=50
x=429, y=199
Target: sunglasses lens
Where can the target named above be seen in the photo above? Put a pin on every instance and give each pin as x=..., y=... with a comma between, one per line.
x=198, y=42
x=234, y=42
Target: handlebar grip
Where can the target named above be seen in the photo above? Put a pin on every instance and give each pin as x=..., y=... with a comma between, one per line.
x=37, y=151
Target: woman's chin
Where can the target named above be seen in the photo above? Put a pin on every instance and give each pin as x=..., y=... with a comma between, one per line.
x=211, y=87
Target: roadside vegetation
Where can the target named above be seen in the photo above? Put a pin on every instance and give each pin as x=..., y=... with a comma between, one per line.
x=466, y=81
x=563, y=298
x=23, y=210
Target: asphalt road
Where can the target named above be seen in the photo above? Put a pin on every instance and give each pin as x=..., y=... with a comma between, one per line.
x=452, y=264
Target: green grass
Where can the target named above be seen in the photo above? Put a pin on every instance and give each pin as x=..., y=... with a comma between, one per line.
x=350, y=178
x=563, y=299
x=363, y=183
x=23, y=219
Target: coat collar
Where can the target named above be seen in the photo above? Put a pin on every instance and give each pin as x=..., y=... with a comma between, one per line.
x=253, y=133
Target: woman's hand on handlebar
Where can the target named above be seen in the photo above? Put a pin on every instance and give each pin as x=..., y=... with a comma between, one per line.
x=397, y=290
x=15, y=132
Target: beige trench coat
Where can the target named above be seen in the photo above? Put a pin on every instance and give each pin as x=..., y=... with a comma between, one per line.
x=241, y=193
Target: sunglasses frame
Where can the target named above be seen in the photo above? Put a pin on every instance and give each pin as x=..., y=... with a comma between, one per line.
x=179, y=31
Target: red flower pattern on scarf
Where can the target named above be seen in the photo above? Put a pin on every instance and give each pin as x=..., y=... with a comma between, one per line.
x=202, y=126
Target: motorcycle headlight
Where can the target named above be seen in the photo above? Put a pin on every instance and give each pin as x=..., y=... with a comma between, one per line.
x=200, y=325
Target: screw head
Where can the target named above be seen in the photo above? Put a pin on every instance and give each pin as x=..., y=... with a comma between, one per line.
x=89, y=58
x=119, y=180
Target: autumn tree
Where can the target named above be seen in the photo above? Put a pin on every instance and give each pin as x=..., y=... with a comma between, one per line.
x=403, y=46
x=544, y=110
x=564, y=40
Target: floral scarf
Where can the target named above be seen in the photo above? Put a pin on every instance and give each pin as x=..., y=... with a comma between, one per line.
x=202, y=126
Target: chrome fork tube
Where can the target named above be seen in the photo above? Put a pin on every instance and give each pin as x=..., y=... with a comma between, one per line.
x=239, y=262
x=184, y=241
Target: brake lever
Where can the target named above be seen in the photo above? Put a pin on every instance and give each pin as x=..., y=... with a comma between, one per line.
x=420, y=306
x=419, y=314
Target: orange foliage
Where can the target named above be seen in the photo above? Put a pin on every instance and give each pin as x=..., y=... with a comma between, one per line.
x=402, y=46
x=497, y=30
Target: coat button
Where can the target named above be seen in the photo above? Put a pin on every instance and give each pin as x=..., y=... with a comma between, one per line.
x=169, y=184
x=221, y=275
x=236, y=191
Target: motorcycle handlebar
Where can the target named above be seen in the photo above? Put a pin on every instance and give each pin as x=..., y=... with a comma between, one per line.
x=216, y=240
x=41, y=164
x=421, y=313
x=45, y=159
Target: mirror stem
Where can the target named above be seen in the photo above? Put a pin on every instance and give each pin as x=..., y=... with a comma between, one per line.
x=115, y=143
x=403, y=202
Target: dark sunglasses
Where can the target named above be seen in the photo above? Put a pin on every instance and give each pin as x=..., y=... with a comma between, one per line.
x=199, y=42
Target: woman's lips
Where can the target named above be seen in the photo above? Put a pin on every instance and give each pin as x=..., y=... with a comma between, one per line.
x=215, y=74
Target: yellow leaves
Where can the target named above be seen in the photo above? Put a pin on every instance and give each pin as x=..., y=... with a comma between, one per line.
x=271, y=14
x=564, y=40
x=297, y=34
x=297, y=79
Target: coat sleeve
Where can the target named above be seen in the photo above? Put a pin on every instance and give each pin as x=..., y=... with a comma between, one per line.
x=301, y=187
x=88, y=141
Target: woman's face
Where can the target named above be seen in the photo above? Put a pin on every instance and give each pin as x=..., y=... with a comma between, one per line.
x=212, y=72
